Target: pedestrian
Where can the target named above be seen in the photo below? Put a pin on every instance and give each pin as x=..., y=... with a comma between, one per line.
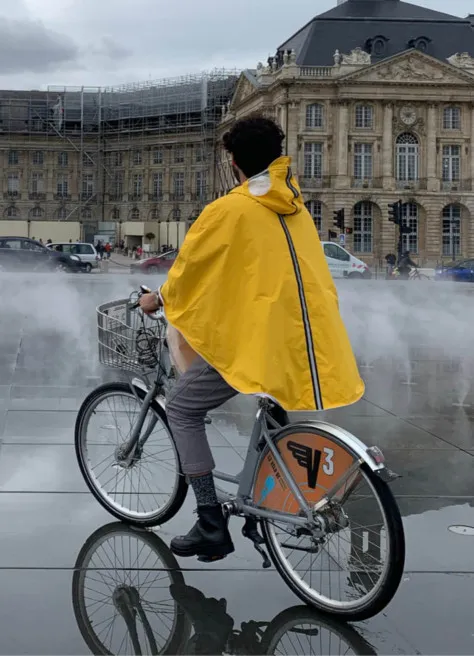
x=108, y=250
x=391, y=260
x=139, y=253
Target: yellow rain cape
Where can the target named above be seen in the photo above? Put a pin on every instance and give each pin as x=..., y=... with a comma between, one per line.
x=252, y=294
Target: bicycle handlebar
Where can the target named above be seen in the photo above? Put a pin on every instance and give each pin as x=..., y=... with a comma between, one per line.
x=156, y=316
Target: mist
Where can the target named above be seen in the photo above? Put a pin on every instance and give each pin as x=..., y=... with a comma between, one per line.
x=411, y=339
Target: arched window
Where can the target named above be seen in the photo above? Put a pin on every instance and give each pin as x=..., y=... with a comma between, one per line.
x=36, y=213
x=135, y=214
x=315, y=208
x=314, y=116
x=154, y=214
x=12, y=212
x=363, y=227
x=410, y=219
x=407, y=157
x=115, y=216
x=452, y=230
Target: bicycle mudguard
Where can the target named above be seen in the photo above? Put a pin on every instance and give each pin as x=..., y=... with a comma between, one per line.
x=317, y=455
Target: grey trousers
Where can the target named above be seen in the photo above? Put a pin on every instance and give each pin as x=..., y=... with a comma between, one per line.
x=200, y=389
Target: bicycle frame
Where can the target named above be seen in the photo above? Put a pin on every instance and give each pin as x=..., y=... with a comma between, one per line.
x=261, y=435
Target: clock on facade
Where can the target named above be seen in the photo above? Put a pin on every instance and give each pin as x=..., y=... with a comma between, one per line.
x=408, y=115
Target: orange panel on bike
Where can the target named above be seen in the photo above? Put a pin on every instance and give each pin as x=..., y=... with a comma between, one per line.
x=315, y=462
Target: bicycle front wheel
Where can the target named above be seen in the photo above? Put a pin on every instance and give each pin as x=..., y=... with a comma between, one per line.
x=150, y=489
x=351, y=561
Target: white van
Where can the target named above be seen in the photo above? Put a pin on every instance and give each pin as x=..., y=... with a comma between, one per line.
x=342, y=264
x=86, y=253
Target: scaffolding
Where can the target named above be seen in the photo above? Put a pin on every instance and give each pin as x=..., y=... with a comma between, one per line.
x=108, y=134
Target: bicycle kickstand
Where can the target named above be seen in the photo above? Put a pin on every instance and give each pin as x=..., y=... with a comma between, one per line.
x=250, y=531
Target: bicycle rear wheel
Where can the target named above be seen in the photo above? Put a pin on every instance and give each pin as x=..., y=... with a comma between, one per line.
x=354, y=568
x=151, y=489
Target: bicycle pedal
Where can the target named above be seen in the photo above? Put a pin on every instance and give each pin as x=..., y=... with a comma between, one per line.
x=210, y=559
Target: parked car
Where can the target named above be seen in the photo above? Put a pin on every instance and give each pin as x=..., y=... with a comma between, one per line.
x=23, y=254
x=86, y=253
x=460, y=271
x=153, y=265
x=342, y=264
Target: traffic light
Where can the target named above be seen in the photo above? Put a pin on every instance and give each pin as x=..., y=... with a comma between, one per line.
x=339, y=219
x=395, y=212
x=348, y=231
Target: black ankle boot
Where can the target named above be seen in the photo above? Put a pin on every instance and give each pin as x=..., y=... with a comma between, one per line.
x=209, y=538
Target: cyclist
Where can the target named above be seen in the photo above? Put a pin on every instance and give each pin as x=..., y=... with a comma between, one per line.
x=251, y=294
x=405, y=265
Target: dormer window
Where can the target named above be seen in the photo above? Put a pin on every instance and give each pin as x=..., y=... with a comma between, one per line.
x=420, y=43
x=376, y=46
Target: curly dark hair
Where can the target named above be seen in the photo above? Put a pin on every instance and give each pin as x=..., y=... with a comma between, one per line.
x=254, y=143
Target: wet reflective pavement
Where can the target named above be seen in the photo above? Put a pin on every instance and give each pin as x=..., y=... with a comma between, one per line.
x=73, y=581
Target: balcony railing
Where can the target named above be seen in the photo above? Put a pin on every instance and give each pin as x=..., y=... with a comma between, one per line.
x=177, y=196
x=87, y=195
x=411, y=185
x=155, y=196
x=456, y=185
x=367, y=183
x=37, y=195
x=315, y=183
x=62, y=196
x=316, y=71
x=135, y=197
x=9, y=195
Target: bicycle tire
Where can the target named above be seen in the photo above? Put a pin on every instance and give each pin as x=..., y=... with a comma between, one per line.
x=182, y=630
x=291, y=617
x=173, y=506
x=395, y=539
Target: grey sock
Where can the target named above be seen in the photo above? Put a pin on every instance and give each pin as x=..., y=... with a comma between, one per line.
x=204, y=489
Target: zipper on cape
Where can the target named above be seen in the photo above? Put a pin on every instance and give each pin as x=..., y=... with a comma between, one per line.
x=305, y=314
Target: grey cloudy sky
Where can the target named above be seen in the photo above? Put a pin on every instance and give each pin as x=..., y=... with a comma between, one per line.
x=109, y=42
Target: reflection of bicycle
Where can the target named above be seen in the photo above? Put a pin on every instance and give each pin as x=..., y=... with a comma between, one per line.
x=320, y=496
x=129, y=597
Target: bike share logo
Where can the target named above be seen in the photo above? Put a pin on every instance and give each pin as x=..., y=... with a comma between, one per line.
x=307, y=458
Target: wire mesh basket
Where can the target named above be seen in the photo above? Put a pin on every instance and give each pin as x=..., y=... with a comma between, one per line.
x=128, y=339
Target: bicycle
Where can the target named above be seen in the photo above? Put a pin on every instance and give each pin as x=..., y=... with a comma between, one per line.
x=297, y=482
x=414, y=274
x=129, y=596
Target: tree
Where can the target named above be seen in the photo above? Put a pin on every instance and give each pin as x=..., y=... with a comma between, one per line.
x=150, y=236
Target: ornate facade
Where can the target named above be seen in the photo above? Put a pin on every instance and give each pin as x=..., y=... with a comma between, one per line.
x=363, y=135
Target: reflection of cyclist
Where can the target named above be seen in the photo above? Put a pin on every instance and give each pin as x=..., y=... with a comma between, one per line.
x=252, y=294
x=212, y=624
x=405, y=265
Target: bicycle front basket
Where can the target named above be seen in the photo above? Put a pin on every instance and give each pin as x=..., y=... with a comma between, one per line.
x=128, y=339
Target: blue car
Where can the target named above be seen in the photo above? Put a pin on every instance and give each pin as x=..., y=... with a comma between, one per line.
x=461, y=271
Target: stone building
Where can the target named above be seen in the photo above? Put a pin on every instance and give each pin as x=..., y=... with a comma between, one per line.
x=123, y=162
x=376, y=98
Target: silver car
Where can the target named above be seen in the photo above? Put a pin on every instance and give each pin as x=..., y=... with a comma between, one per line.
x=86, y=252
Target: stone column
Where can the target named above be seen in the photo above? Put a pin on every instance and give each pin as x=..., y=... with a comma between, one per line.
x=431, y=155
x=387, y=146
x=342, y=144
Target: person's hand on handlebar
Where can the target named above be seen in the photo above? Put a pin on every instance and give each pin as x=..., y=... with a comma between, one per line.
x=150, y=303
